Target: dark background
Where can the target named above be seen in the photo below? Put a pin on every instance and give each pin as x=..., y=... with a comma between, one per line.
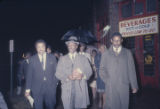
x=28, y=20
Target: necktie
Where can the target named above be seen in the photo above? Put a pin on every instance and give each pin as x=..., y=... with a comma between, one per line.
x=42, y=62
x=43, y=67
x=116, y=51
x=72, y=57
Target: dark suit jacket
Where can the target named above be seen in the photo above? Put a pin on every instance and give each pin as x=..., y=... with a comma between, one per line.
x=22, y=70
x=25, y=67
x=36, y=74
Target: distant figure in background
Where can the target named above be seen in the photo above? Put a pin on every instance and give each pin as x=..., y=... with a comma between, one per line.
x=49, y=49
x=3, y=104
x=61, y=54
x=73, y=70
x=22, y=70
x=117, y=71
x=82, y=51
x=57, y=55
x=100, y=83
x=41, y=81
x=93, y=83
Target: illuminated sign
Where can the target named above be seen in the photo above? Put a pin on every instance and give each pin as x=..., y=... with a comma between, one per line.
x=139, y=26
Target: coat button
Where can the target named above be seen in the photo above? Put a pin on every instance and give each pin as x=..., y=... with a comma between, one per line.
x=44, y=78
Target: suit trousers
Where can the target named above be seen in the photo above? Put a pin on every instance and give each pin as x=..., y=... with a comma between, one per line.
x=46, y=97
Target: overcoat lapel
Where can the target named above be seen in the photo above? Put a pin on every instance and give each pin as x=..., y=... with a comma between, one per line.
x=122, y=52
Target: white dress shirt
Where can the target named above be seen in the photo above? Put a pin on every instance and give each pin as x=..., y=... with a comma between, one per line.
x=72, y=55
x=44, y=60
x=117, y=50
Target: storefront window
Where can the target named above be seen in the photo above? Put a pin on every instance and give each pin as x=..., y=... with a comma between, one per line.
x=151, y=5
x=139, y=8
x=127, y=10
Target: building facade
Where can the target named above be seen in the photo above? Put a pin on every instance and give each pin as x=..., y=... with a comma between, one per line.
x=138, y=22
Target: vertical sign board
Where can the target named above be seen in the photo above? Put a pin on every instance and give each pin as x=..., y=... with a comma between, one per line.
x=11, y=46
x=11, y=50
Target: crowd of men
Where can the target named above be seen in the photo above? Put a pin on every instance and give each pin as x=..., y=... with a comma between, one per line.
x=108, y=72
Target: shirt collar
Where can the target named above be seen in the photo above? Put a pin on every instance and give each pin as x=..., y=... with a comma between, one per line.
x=117, y=49
x=72, y=55
x=40, y=56
x=82, y=53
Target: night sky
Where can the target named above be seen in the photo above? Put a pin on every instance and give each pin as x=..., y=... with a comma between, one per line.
x=28, y=20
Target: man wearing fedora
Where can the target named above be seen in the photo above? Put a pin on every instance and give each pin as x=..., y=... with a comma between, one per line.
x=73, y=70
x=117, y=70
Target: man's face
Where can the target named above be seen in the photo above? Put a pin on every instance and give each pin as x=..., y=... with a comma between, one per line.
x=82, y=47
x=72, y=47
x=94, y=53
x=101, y=49
x=116, y=41
x=41, y=48
x=49, y=50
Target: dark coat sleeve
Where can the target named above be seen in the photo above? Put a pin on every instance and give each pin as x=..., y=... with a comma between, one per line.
x=132, y=71
x=29, y=74
x=59, y=71
x=55, y=66
x=87, y=70
x=102, y=69
x=20, y=72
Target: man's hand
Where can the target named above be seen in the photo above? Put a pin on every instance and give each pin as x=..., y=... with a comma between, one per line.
x=77, y=75
x=71, y=77
x=27, y=94
x=134, y=91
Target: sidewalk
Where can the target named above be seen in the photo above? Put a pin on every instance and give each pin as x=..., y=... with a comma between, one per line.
x=145, y=99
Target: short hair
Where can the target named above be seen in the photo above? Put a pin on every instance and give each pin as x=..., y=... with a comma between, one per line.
x=40, y=41
x=82, y=44
x=49, y=47
x=116, y=34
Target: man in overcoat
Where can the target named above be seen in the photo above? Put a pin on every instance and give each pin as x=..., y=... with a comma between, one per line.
x=40, y=80
x=117, y=70
x=73, y=70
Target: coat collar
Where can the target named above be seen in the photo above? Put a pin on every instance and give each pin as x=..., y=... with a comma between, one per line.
x=74, y=55
x=113, y=53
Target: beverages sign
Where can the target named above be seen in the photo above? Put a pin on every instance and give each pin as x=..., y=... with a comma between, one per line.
x=139, y=26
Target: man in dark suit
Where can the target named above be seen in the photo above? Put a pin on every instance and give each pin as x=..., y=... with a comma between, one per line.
x=22, y=70
x=41, y=80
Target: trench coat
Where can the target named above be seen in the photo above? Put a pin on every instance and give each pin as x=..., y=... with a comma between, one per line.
x=118, y=73
x=64, y=69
